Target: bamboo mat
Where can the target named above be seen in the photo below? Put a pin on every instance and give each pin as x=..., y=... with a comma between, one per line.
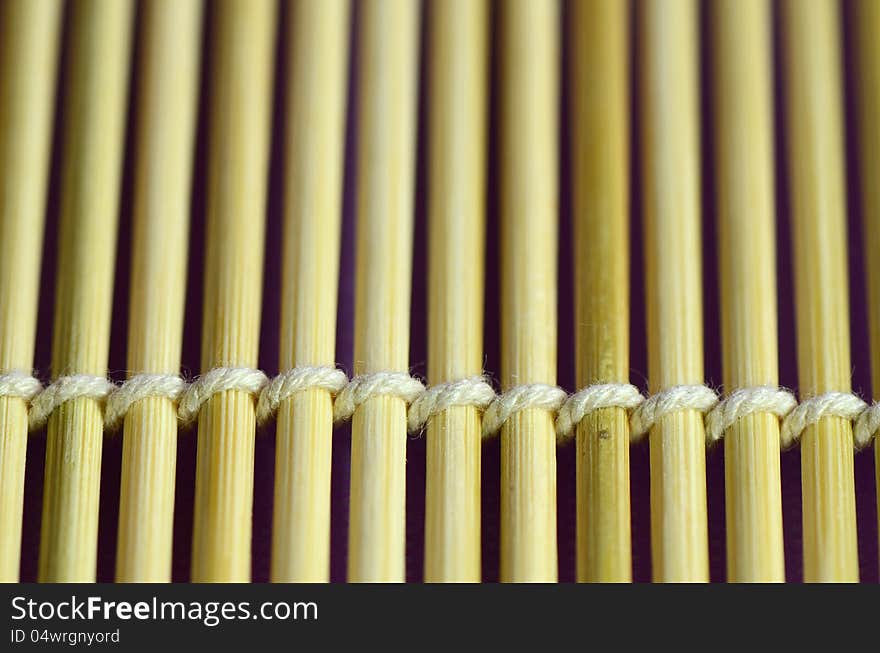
x=866, y=503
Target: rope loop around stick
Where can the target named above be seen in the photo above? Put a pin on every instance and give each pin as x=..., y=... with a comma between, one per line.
x=64, y=389
x=474, y=391
x=296, y=380
x=219, y=379
x=700, y=398
x=747, y=401
x=376, y=384
x=591, y=399
x=136, y=388
x=19, y=384
x=519, y=398
x=831, y=404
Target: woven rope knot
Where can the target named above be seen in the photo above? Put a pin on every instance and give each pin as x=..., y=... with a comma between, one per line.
x=219, y=379
x=747, y=401
x=64, y=389
x=867, y=425
x=672, y=400
x=19, y=384
x=592, y=398
x=296, y=380
x=831, y=404
x=519, y=398
x=366, y=386
x=474, y=391
x=136, y=388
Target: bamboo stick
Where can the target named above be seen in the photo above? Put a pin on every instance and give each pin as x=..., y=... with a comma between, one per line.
x=389, y=33
x=169, y=73
x=600, y=135
x=743, y=119
x=241, y=103
x=671, y=177
x=456, y=213
x=94, y=128
x=811, y=53
x=528, y=204
x=29, y=36
x=865, y=20
x=315, y=147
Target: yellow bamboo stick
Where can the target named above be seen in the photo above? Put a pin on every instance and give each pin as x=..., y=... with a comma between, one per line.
x=865, y=20
x=528, y=204
x=600, y=144
x=811, y=52
x=241, y=103
x=456, y=211
x=389, y=32
x=743, y=119
x=94, y=127
x=315, y=147
x=674, y=309
x=167, y=99
x=29, y=35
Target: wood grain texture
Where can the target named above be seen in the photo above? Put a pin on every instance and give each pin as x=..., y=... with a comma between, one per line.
x=458, y=93
x=815, y=158
x=315, y=149
x=600, y=124
x=29, y=36
x=389, y=63
x=168, y=83
x=670, y=153
x=743, y=125
x=529, y=68
x=97, y=70
x=242, y=55
x=864, y=21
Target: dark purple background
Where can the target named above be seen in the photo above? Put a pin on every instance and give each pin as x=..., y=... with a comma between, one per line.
x=264, y=458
